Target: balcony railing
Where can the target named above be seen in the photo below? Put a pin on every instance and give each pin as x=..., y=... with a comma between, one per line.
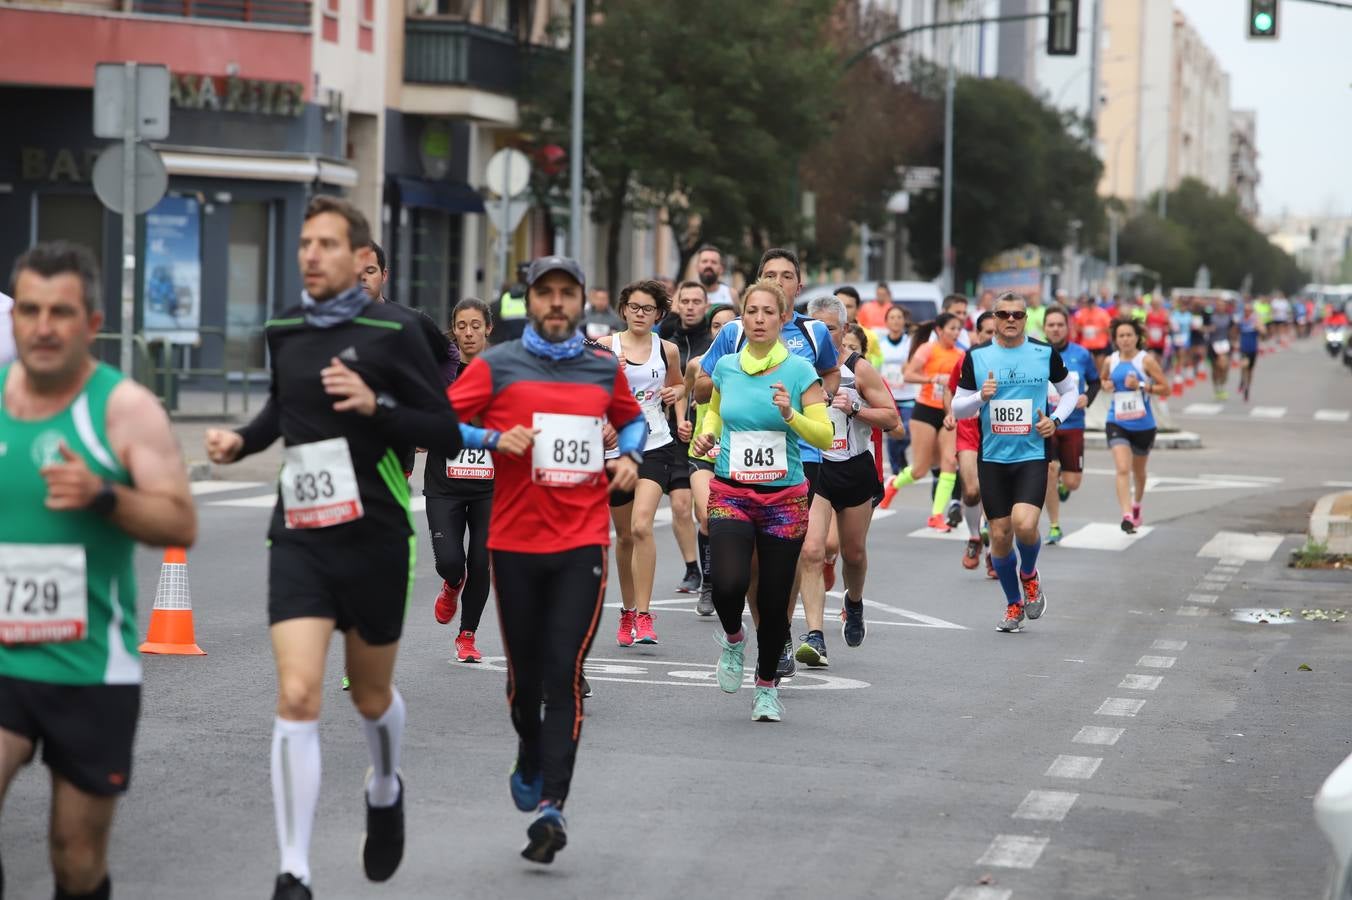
x=446, y=51
x=291, y=13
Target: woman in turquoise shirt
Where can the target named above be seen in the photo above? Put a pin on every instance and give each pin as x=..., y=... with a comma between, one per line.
x=758, y=501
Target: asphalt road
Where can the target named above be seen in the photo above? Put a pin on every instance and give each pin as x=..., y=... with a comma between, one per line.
x=1138, y=741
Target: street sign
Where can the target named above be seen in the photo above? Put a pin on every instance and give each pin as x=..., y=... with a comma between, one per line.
x=506, y=215
x=152, y=101
x=899, y=203
x=152, y=179
x=508, y=172
x=921, y=178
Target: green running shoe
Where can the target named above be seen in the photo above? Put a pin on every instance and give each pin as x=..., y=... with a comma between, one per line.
x=767, y=707
x=731, y=664
x=1054, y=535
x=1062, y=491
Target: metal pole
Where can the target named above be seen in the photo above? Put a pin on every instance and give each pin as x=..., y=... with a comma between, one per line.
x=1164, y=200
x=575, y=224
x=505, y=193
x=865, y=235
x=1095, y=42
x=1112, y=240
x=948, y=171
x=129, y=114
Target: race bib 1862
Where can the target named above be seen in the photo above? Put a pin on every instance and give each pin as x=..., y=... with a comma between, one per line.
x=42, y=593
x=1011, y=416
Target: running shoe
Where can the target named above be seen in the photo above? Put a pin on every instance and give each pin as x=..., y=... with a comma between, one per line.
x=852, y=614
x=1062, y=491
x=1054, y=534
x=1034, y=599
x=953, y=515
x=985, y=533
x=888, y=493
x=526, y=792
x=767, y=707
x=382, y=847
x=1013, y=620
x=731, y=663
x=289, y=887
x=1128, y=525
x=1245, y=390
x=705, y=605
x=624, y=636
x=787, y=668
x=971, y=557
x=465, y=651
x=829, y=574
x=586, y=687
x=643, y=629
x=812, y=650
x=347, y=683
x=447, y=601
x=1222, y=395
x=546, y=836
x=990, y=567
x=690, y=583
x=1136, y=514
x=939, y=523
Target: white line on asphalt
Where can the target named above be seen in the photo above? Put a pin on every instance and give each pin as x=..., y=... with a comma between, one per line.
x=1119, y=706
x=1235, y=563
x=1268, y=412
x=1157, y=662
x=1102, y=536
x=1202, y=409
x=1203, y=598
x=1046, y=806
x=1097, y=734
x=1332, y=415
x=1338, y=484
x=1257, y=479
x=954, y=535
x=1082, y=767
x=1169, y=645
x=1140, y=682
x=979, y=893
x=921, y=618
x=202, y=488
x=1192, y=611
x=259, y=501
x=1232, y=571
x=1238, y=545
x=1014, y=851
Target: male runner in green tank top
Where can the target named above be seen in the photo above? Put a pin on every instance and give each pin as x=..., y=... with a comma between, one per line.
x=88, y=466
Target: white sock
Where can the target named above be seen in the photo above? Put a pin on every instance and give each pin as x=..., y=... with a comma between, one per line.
x=383, y=737
x=972, y=515
x=295, y=791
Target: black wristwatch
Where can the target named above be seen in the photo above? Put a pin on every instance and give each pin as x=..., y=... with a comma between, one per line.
x=105, y=501
x=855, y=406
x=1055, y=421
x=385, y=403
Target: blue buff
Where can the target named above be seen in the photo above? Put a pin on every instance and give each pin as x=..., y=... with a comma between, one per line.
x=1007, y=570
x=1028, y=556
x=633, y=436
x=479, y=438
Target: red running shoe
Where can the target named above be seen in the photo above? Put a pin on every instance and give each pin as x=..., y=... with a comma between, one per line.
x=990, y=567
x=939, y=523
x=447, y=601
x=624, y=635
x=971, y=557
x=888, y=493
x=643, y=629
x=465, y=651
x=829, y=574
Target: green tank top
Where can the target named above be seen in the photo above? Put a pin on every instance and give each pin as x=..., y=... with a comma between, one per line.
x=46, y=554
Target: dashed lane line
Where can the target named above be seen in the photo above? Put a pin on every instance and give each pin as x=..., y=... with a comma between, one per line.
x=1078, y=767
x=1119, y=706
x=1046, y=806
x=1098, y=735
x=1140, y=682
x=1014, y=851
x=1169, y=645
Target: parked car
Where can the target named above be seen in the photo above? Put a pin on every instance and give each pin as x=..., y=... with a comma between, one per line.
x=921, y=298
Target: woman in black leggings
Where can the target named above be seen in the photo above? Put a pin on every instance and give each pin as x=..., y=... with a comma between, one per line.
x=459, y=496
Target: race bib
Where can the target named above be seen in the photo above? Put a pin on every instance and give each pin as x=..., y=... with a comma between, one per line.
x=1011, y=416
x=319, y=487
x=568, y=451
x=656, y=418
x=42, y=593
x=936, y=394
x=892, y=375
x=1128, y=405
x=840, y=428
x=471, y=465
x=758, y=456
x=1090, y=331
x=1220, y=348
x=597, y=330
x=1156, y=334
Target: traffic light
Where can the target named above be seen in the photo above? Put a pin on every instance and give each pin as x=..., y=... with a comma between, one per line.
x=1063, y=28
x=1262, y=18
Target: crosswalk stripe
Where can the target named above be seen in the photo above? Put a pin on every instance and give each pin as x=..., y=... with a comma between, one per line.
x=1237, y=545
x=203, y=488
x=1102, y=536
x=1332, y=415
x=1267, y=412
x=1202, y=409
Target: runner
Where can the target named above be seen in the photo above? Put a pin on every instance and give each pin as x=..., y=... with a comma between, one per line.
x=600, y=320
x=968, y=446
x=88, y=467
x=1131, y=375
x=459, y=494
x=1065, y=468
x=1180, y=338
x=709, y=266
x=652, y=371
x=763, y=396
x=341, y=541
x=929, y=365
x=895, y=344
x=7, y=352
x=1251, y=331
x=1220, y=325
x=1089, y=328
x=548, y=394
x=850, y=297
x=847, y=487
x=1157, y=327
x=1013, y=464
x=702, y=470
x=874, y=313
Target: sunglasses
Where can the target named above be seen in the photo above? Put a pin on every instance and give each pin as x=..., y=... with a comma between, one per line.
x=1017, y=315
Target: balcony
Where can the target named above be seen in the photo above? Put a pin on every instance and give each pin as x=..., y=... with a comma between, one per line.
x=452, y=52
x=287, y=13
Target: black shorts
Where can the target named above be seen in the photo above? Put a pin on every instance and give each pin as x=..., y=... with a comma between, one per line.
x=1005, y=484
x=850, y=483
x=86, y=731
x=812, y=473
x=700, y=465
x=1250, y=359
x=1140, y=442
x=363, y=585
x=930, y=415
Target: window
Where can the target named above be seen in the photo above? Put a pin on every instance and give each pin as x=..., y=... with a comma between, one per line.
x=366, y=28
x=329, y=30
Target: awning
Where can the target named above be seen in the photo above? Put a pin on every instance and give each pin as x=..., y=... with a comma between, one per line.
x=304, y=169
x=448, y=196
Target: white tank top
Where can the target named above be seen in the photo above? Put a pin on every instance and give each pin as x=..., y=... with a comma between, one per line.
x=894, y=364
x=849, y=436
x=646, y=380
x=720, y=296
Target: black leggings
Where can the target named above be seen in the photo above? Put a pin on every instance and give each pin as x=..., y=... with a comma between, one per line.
x=549, y=605
x=448, y=518
x=730, y=544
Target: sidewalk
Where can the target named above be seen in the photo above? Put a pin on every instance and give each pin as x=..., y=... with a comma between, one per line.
x=1331, y=523
x=199, y=410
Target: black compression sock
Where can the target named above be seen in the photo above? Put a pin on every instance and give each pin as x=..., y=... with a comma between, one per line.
x=706, y=567
x=692, y=568
x=103, y=892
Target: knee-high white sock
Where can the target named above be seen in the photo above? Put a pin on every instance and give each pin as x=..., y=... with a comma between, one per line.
x=295, y=791
x=972, y=516
x=383, y=738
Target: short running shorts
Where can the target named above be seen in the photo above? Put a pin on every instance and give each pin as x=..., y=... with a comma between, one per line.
x=849, y=483
x=780, y=513
x=930, y=415
x=969, y=435
x=1140, y=442
x=365, y=585
x=666, y=466
x=1067, y=448
x=1005, y=484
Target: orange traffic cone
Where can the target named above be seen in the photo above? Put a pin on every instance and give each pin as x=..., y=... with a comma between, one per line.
x=1178, y=385
x=1191, y=378
x=171, y=629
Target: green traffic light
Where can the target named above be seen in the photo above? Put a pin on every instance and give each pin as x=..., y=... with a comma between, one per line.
x=1262, y=22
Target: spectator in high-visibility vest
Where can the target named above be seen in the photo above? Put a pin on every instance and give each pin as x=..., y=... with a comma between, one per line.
x=509, y=312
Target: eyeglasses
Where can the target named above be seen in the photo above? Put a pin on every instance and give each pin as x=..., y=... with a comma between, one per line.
x=647, y=310
x=1017, y=315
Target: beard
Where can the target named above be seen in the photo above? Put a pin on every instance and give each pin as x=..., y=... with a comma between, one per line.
x=549, y=330
x=708, y=277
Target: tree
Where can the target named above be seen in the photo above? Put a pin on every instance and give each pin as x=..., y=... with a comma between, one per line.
x=1159, y=244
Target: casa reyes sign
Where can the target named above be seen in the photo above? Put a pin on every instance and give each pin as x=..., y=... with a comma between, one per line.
x=220, y=93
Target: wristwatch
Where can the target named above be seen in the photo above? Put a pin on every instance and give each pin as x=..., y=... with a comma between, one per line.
x=386, y=402
x=1055, y=421
x=105, y=501
x=855, y=406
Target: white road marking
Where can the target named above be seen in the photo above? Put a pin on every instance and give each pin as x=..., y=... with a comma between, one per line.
x=1097, y=734
x=1102, y=536
x=979, y=893
x=1119, y=706
x=1169, y=645
x=260, y=501
x=1014, y=851
x=1232, y=571
x=1140, y=682
x=1235, y=563
x=1046, y=806
x=1081, y=767
x=1192, y=611
x=1267, y=412
x=1258, y=479
x=1338, y=484
x=957, y=534
x=202, y=488
x=1332, y=415
x=1157, y=662
x=1203, y=598
x=1172, y=484
x=920, y=619
x=1238, y=545
x=1202, y=409
x=679, y=674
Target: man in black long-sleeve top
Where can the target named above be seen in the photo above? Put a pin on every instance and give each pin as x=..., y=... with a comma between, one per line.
x=350, y=384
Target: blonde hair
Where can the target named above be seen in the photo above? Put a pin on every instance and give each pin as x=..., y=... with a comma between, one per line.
x=769, y=286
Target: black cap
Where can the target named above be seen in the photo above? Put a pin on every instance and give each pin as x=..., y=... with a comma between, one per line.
x=541, y=267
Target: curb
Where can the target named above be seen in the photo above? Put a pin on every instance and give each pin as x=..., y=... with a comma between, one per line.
x=1173, y=440
x=1333, y=529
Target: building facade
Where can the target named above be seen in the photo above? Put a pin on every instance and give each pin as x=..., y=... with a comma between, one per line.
x=1244, y=175
x=1199, y=112
x=1134, y=96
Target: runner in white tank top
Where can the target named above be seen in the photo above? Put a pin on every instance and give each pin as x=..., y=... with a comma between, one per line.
x=646, y=380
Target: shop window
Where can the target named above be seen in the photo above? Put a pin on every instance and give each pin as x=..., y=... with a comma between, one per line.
x=330, y=25
x=72, y=217
x=248, y=284
x=366, y=28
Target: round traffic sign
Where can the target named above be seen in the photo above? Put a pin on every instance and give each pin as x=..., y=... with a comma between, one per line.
x=152, y=179
x=508, y=172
